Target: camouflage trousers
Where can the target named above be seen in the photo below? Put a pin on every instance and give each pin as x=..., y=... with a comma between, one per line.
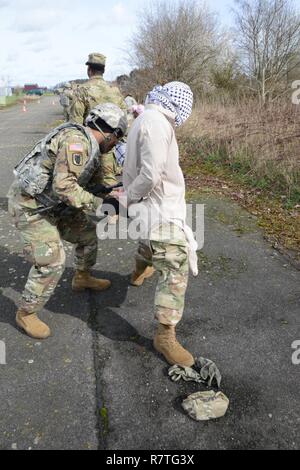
x=167, y=252
x=42, y=240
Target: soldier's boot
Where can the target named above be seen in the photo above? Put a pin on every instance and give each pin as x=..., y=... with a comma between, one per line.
x=83, y=280
x=140, y=274
x=32, y=325
x=166, y=343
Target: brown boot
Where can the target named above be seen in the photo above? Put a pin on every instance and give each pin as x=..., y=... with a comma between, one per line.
x=166, y=343
x=32, y=325
x=139, y=276
x=83, y=280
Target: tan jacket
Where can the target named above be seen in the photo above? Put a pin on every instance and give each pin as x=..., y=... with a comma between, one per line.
x=151, y=169
x=153, y=178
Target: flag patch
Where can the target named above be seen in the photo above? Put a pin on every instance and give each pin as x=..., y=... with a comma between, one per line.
x=76, y=147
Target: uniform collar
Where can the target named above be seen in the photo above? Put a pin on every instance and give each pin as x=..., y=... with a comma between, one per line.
x=97, y=77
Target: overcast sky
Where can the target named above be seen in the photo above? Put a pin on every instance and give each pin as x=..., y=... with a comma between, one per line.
x=48, y=41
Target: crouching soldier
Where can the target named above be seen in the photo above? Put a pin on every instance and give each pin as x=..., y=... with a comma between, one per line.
x=50, y=200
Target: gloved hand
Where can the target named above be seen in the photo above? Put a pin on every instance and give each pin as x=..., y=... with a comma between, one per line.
x=63, y=210
x=112, y=202
x=101, y=190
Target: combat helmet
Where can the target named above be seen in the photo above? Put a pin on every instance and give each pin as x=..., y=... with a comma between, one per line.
x=112, y=115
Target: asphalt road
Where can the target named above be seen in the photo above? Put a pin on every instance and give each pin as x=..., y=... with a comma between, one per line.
x=97, y=382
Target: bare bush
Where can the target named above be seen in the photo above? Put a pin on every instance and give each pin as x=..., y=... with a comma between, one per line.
x=260, y=143
x=268, y=38
x=176, y=40
x=136, y=84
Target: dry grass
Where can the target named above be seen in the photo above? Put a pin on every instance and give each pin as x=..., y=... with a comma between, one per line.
x=262, y=145
x=253, y=156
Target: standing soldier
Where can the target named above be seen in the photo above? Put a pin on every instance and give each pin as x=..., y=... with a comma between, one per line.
x=49, y=201
x=89, y=95
x=66, y=97
x=130, y=102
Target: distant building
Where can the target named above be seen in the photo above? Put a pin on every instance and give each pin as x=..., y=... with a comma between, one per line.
x=30, y=86
x=5, y=91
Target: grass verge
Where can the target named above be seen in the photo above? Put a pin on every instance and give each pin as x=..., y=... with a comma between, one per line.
x=208, y=168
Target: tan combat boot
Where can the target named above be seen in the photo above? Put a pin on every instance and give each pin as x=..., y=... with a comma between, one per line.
x=83, y=280
x=166, y=343
x=32, y=325
x=139, y=276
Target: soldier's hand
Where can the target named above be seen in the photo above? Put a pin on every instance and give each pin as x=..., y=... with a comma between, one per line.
x=98, y=190
x=117, y=193
x=101, y=190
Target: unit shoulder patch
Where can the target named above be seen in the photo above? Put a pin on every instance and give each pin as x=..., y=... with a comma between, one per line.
x=77, y=159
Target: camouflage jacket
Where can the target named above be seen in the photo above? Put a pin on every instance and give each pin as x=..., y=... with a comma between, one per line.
x=95, y=91
x=68, y=155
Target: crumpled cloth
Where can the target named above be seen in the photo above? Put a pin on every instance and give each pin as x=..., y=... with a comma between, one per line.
x=203, y=406
x=206, y=372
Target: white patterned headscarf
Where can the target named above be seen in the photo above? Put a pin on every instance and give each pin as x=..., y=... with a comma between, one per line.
x=174, y=96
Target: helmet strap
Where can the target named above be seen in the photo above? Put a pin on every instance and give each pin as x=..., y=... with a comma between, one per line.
x=106, y=138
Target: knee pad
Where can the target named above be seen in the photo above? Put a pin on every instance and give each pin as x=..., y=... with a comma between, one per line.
x=44, y=254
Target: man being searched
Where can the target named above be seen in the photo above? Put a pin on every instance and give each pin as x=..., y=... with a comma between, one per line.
x=155, y=190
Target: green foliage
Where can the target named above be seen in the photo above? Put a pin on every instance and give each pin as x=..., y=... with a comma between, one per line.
x=224, y=77
x=8, y=100
x=104, y=417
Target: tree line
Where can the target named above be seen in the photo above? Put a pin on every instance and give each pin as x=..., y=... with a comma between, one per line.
x=184, y=40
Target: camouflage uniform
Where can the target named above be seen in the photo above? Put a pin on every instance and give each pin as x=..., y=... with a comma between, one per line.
x=96, y=91
x=167, y=252
x=65, y=103
x=42, y=235
x=69, y=94
x=130, y=101
x=88, y=95
x=65, y=97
